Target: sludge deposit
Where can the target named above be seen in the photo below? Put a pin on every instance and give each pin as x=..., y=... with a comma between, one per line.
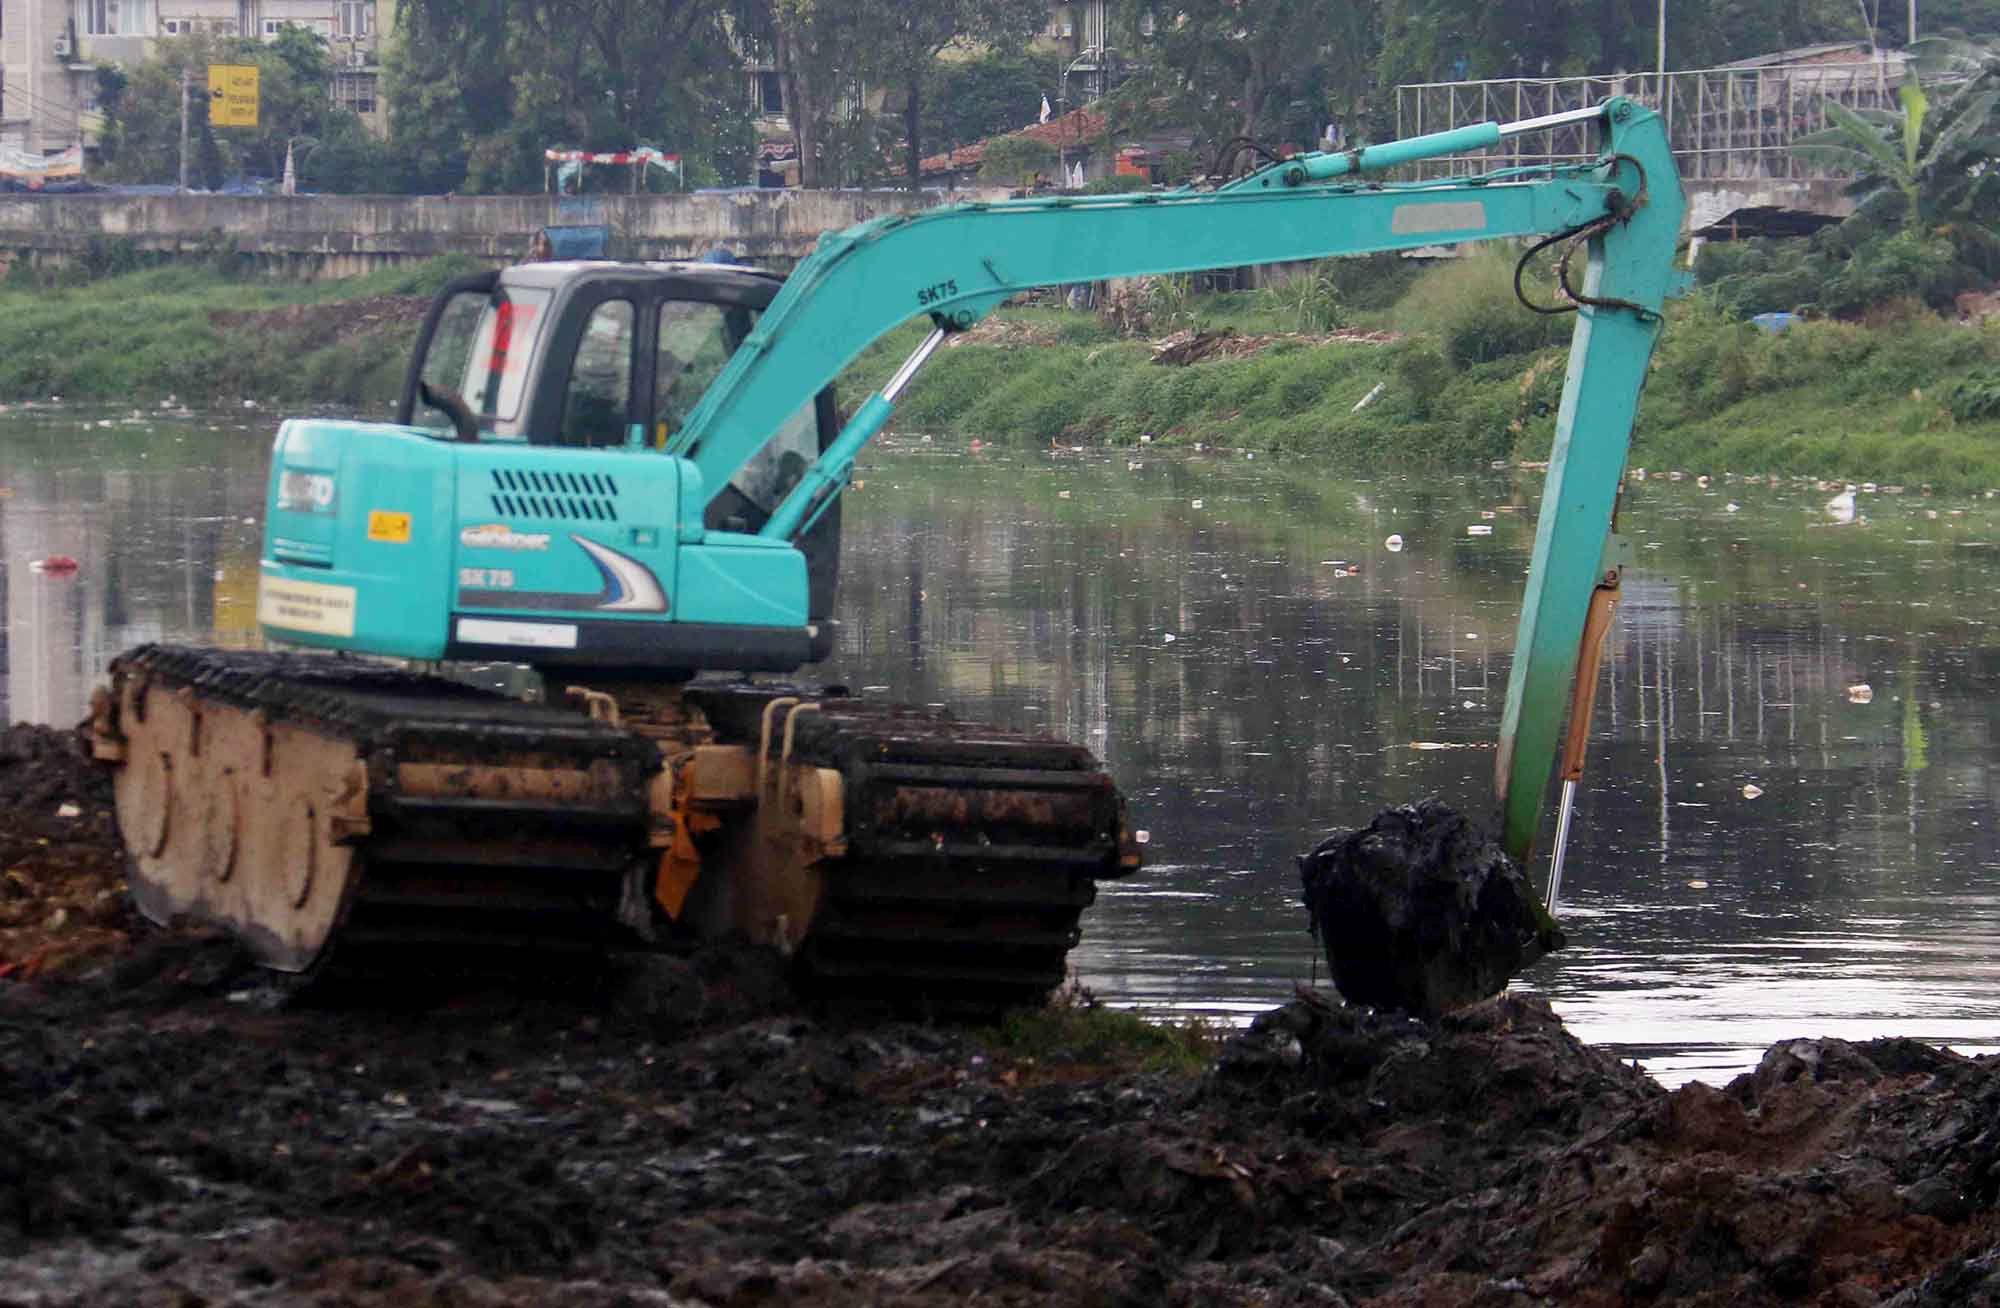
x=176, y=1129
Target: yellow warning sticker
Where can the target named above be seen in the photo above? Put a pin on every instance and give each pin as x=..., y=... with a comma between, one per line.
x=394, y=528
x=306, y=606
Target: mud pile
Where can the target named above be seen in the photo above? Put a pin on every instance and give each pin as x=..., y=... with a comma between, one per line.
x=1421, y=912
x=61, y=873
x=176, y=1128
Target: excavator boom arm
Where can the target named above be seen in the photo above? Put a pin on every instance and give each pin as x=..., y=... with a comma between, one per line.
x=958, y=263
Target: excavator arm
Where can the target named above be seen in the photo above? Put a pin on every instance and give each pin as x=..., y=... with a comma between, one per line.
x=956, y=264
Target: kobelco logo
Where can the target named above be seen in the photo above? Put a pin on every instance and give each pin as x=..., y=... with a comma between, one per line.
x=494, y=536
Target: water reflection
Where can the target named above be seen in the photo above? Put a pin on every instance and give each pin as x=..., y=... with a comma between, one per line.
x=1787, y=824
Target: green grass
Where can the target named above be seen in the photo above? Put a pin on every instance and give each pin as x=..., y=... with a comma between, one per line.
x=1075, y=1031
x=139, y=337
x=1476, y=378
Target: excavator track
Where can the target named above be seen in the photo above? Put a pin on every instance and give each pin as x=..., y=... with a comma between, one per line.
x=971, y=851
x=295, y=797
x=307, y=800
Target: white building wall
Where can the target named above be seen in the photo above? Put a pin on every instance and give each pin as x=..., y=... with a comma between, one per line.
x=48, y=99
x=44, y=96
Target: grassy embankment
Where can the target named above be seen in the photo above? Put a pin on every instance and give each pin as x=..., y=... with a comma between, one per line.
x=209, y=336
x=1906, y=398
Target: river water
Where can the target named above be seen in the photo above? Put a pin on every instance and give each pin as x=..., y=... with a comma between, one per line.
x=1787, y=827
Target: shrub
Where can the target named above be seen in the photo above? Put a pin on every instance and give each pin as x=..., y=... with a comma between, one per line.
x=1469, y=304
x=1116, y=184
x=1309, y=300
x=1977, y=396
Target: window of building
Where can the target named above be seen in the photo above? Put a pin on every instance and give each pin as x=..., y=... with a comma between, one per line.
x=355, y=91
x=355, y=19
x=320, y=27
x=117, y=17
x=770, y=93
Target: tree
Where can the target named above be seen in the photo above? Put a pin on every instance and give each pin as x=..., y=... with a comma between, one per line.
x=141, y=139
x=901, y=44
x=479, y=88
x=967, y=100
x=1255, y=68
x=1457, y=40
x=1016, y=159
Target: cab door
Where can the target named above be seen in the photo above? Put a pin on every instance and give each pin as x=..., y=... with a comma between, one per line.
x=589, y=394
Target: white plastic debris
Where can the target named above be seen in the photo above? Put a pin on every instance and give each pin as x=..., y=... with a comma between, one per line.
x=1751, y=790
x=1479, y=529
x=1861, y=693
x=1394, y=544
x=1370, y=397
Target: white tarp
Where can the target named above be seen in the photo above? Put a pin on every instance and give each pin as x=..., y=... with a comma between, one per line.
x=34, y=169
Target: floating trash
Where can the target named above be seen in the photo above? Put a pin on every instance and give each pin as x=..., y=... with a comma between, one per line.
x=1732, y=507
x=1841, y=507
x=1751, y=790
x=1394, y=544
x=1195, y=504
x=1697, y=885
x=1479, y=529
x=1168, y=638
x=1863, y=693
x=55, y=565
x=1062, y=495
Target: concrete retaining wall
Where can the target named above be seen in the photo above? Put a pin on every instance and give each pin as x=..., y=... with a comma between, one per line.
x=341, y=236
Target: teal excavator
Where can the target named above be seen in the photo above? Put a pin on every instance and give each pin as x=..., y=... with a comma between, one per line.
x=622, y=475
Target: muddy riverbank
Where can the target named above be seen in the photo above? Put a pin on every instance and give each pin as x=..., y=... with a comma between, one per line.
x=175, y=1129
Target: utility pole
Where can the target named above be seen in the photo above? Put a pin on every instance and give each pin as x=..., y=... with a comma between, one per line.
x=184, y=131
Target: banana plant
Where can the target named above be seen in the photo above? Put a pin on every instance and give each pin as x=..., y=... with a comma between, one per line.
x=1902, y=172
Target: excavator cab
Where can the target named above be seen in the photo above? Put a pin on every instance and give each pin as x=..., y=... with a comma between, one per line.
x=528, y=450
x=609, y=355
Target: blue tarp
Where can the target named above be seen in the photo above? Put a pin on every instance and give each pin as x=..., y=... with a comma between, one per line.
x=577, y=242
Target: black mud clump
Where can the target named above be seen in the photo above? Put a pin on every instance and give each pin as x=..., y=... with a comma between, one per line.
x=1421, y=912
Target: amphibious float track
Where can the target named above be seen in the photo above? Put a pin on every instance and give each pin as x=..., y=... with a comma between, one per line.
x=304, y=800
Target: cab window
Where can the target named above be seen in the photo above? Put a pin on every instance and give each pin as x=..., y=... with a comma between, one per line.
x=496, y=373
x=447, y=362
x=600, y=378
x=695, y=340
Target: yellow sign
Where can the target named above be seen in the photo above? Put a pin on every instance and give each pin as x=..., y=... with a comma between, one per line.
x=232, y=95
x=306, y=606
x=394, y=528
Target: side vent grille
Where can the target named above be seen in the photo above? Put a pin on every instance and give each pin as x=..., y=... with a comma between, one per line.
x=584, y=496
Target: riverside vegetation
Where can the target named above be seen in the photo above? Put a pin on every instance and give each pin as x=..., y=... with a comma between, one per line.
x=1892, y=390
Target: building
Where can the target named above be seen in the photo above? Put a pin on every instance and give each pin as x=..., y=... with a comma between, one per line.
x=50, y=51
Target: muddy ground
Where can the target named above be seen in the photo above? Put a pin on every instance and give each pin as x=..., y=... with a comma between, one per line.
x=177, y=1130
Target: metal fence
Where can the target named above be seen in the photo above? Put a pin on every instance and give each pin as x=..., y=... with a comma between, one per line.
x=1723, y=122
